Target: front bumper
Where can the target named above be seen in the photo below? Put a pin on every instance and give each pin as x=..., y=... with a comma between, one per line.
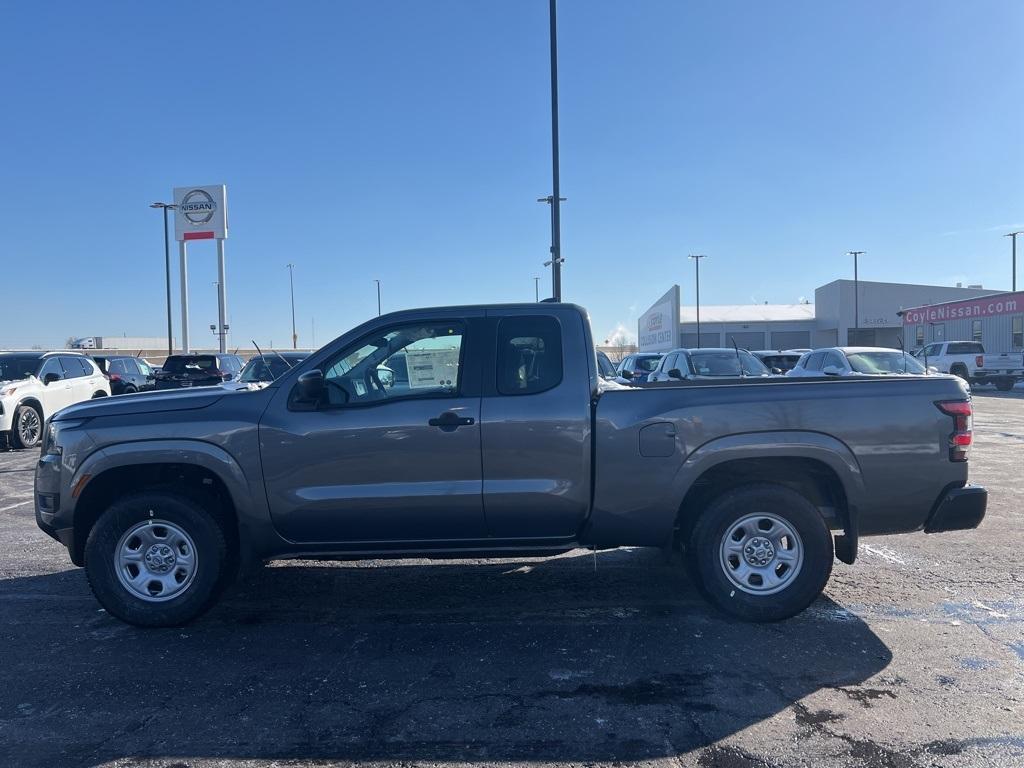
x=959, y=509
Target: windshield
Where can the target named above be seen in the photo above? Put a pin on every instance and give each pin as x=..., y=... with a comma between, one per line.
x=726, y=363
x=883, y=362
x=183, y=363
x=265, y=368
x=13, y=367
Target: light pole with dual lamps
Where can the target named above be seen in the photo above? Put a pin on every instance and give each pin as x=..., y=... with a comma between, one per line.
x=696, y=263
x=167, y=265
x=1013, y=240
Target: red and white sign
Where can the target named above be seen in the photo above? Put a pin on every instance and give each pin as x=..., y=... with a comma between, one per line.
x=986, y=306
x=201, y=213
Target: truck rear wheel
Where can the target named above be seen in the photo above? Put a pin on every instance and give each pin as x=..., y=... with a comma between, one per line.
x=1004, y=385
x=156, y=559
x=761, y=552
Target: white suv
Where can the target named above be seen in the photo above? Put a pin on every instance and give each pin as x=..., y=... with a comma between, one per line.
x=35, y=385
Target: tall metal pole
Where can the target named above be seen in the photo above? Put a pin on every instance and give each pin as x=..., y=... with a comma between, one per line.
x=556, y=220
x=222, y=298
x=696, y=262
x=378, y=297
x=536, y=289
x=856, y=296
x=1013, y=239
x=183, y=256
x=167, y=267
x=291, y=284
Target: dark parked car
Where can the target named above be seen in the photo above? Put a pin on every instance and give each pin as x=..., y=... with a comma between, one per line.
x=638, y=366
x=127, y=374
x=270, y=366
x=197, y=371
x=503, y=441
x=779, y=360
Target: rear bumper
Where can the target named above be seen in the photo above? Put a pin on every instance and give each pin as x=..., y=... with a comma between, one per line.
x=959, y=509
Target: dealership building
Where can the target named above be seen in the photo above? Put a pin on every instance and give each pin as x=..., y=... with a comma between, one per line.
x=843, y=313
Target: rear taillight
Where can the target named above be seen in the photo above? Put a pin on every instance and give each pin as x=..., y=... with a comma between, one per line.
x=963, y=416
x=114, y=377
x=979, y=361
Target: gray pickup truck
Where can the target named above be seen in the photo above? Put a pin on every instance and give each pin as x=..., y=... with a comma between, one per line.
x=492, y=435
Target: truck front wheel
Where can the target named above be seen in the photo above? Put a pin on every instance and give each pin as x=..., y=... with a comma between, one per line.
x=156, y=559
x=761, y=552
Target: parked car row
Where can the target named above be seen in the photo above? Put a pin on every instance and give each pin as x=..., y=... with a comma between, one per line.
x=709, y=363
x=35, y=385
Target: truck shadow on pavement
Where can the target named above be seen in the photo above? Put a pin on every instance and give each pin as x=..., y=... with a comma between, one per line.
x=518, y=660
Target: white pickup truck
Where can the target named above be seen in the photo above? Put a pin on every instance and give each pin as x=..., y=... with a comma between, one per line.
x=969, y=361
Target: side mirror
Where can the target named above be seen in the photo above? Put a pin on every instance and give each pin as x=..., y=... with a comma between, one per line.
x=626, y=374
x=831, y=370
x=311, y=386
x=50, y=378
x=675, y=373
x=932, y=369
x=776, y=371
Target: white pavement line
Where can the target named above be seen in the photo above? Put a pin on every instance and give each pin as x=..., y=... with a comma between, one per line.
x=15, y=506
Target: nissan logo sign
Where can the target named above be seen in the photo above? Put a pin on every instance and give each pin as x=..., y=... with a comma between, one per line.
x=198, y=207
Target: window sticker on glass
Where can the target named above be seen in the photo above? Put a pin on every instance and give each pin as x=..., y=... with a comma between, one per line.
x=432, y=367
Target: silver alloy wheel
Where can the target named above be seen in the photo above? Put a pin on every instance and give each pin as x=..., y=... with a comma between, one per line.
x=155, y=560
x=29, y=426
x=761, y=554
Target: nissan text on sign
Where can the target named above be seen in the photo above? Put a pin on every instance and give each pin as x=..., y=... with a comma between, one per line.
x=201, y=213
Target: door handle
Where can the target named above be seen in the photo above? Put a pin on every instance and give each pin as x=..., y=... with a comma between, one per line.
x=449, y=421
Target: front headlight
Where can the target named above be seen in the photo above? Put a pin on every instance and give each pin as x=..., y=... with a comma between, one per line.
x=51, y=437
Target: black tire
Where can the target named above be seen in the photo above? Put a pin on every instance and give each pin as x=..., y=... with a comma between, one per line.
x=961, y=371
x=98, y=393
x=188, y=515
x=1004, y=385
x=26, y=412
x=716, y=522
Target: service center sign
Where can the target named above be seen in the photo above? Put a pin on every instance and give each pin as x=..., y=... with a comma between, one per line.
x=986, y=306
x=656, y=328
x=201, y=213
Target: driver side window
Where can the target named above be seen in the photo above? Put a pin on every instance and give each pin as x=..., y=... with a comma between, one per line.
x=416, y=360
x=52, y=365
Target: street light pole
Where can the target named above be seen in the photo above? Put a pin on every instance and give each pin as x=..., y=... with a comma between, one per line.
x=291, y=285
x=1013, y=239
x=378, y=297
x=696, y=262
x=856, y=297
x=167, y=267
x=554, y=200
x=536, y=289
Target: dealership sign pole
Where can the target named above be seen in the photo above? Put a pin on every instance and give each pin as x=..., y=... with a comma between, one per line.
x=201, y=213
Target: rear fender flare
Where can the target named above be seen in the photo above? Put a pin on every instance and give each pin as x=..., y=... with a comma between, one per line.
x=781, y=445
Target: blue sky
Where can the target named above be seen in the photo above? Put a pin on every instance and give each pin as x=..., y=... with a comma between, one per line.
x=408, y=141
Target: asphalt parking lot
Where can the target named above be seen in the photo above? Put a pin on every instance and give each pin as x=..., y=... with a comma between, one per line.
x=914, y=657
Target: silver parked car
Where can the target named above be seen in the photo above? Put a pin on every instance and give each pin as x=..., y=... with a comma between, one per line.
x=708, y=363
x=857, y=361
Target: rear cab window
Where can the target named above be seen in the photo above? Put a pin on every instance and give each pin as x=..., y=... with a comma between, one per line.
x=529, y=355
